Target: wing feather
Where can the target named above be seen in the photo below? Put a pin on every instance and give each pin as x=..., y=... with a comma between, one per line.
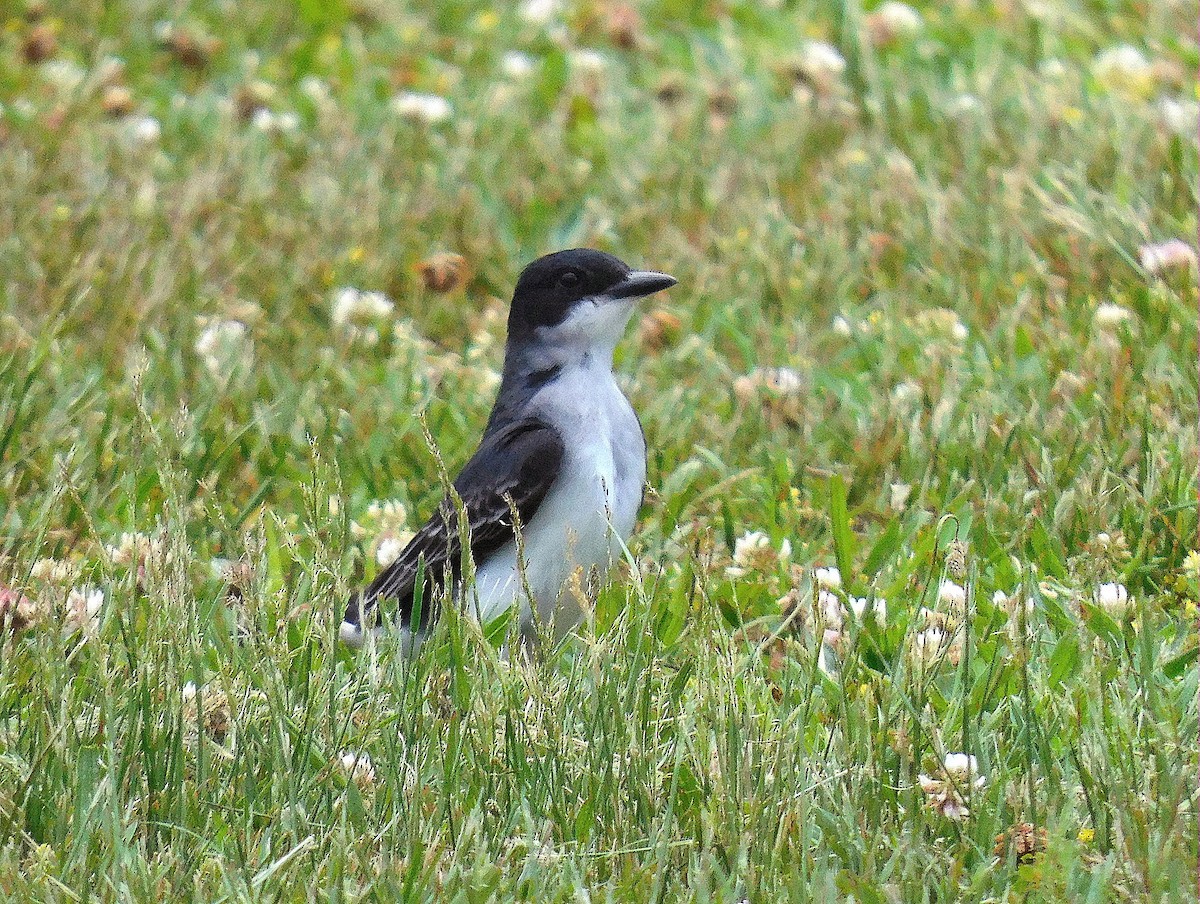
x=520, y=460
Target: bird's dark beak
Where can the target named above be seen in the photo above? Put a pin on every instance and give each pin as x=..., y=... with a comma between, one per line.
x=641, y=282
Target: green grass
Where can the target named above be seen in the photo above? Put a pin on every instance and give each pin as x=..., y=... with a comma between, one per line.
x=686, y=743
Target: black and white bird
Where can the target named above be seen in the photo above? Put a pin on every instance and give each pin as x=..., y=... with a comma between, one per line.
x=562, y=446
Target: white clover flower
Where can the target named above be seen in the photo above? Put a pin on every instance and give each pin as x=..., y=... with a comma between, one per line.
x=133, y=549
x=317, y=90
x=831, y=615
x=1175, y=254
x=110, y=69
x=929, y=644
x=964, y=104
x=391, y=513
x=1180, y=117
x=277, y=123
x=905, y=392
x=64, y=75
x=143, y=130
x=950, y=793
x=1109, y=316
x=588, y=62
x=829, y=578
x=941, y=323
x=358, y=767
x=752, y=552
x=783, y=380
x=427, y=108
x=517, y=65
x=858, y=605
x=538, y=12
x=830, y=609
x=953, y=595
x=1053, y=68
x=899, y=493
x=900, y=19
x=842, y=326
x=962, y=767
x=387, y=517
x=83, y=610
x=53, y=571
x=822, y=62
x=389, y=550
x=224, y=346
x=356, y=313
x=1125, y=70
x=1113, y=599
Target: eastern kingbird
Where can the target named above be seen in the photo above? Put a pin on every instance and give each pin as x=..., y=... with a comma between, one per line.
x=563, y=447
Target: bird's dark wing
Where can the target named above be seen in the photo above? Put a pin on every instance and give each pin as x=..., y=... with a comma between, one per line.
x=520, y=460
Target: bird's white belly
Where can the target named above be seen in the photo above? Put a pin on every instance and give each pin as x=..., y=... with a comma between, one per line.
x=584, y=520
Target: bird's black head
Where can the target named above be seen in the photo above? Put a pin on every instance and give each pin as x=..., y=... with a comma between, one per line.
x=551, y=286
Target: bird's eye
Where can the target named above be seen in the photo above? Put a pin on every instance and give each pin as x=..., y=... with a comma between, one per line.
x=569, y=279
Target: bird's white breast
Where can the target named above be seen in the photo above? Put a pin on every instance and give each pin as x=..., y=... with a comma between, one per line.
x=589, y=511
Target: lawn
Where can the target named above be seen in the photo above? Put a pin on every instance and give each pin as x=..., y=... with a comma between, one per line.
x=910, y=613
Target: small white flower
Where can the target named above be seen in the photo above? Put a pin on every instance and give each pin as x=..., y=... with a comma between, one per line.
x=1109, y=316
x=83, y=610
x=953, y=595
x=143, y=129
x=905, y=392
x=53, y=571
x=1124, y=69
x=428, y=108
x=964, y=104
x=538, y=12
x=133, y=549
x=829, y=578
x=63, y=74
x=358, y=767
x=822, y=61
x=1053, y=69
x=752, y=552
x=1180, y=117
x=266, y=121
x=356, y=313
x=588, y=62
x=858, y=605
x=830, y=609
x=842, y=326
x=950, y=793
x=317, y=90
x=962, y=767
x=900, y=19
x=1113, y=599
x=1175, y=254
x=110, y=69
x=941, y=324
x=516, y=65
x=899, y=495
x=929, y=644
x=224, y=346
x=389, y=550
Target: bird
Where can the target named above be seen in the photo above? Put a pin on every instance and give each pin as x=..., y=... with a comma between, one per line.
x=562, y=449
